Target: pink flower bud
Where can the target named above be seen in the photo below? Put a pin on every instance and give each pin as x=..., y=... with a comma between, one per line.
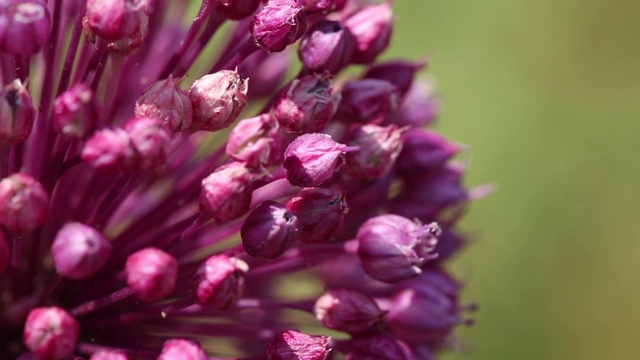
x=256, y=141
x=327, y=46
x=367, y=100
x=324, y=6
x=17, y=113
x=378, y=148
x=108, y=355
x=348, y=311
x=112, y=19
x=24, y=203
x=28, y=24
x=220, y=281
x=311, y=159
x=392, y=248
x=108, y=150
x=151, y=274
x=419, y=107
x=320, y=213
x=5, y=253
x=295, y=345
x=306, y=105
x=75, y=112
x=79, y=251
x=278, y=24
x=380, y=346
x=131, y=42
x=51, y=333
x=424, y=149
x=398, y=72
x=178, y=349
x=226, y=193
x=165, y=100
x=372, y=27
x=236, y=9
x=217, y=100
x=150, y=139
x=269, y=230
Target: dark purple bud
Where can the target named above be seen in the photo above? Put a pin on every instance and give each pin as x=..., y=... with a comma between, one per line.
x=266, y=71
x=5, y=253
x=278, y=24
x=367, y=101
x=311, y=159
x=327, y=46
x=269, y=230
x=320, y=213
x=27, y=26
x=418, y=108
x=236, y=9
x=306, y=105
x=295, y=345
x=108, y=150
x=398, y=72
x=378, y=148
x=379, y=347
x=150, y=139
x=256, y=141
x=178, y=349
x=165, y=100
x=112, y=19
x=151, y=274
x=424, y=149
x=348, y=311
x=24, y=203
x=220, y=281
x=108, y=355
x=79, y=251
x=75, y=112
x=324, y=6
x=51, y=333
x=226, y=193
x=392, y=248
x=372, y=27
x=17, y=113
x=217, y=100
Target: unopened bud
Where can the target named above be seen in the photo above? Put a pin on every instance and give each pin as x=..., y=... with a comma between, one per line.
x=220, y=281
x=278, y=24
x=179, y=349
x=367, y=101
x=79, y=251
x=112, y=19
x=24, y=203
x=424, y=149
x=130, y=43
x=348, y=311
x=51, y=333
x=27, y=26
x=419, y=107
x=151, y=274
x=295, y=345
x=75, y=112
x=398, y=72
x=150, y=140
x=320, y=213
x=226, y=193
x=165, y=100
x=236, y=9
x=256, y=141
x=327, y=46
x=108, y=355
x=380, y=346
x=108, y=150
x=269, y=230
x=378, y=148
x=17, y=113
x=372, y=27
x=217, y=100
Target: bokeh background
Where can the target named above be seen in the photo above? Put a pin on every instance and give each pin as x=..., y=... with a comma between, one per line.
x=547, y=94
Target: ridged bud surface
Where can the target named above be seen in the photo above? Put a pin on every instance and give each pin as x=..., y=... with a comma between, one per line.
x=348, y=311
x=256, y=141
x=226, y=193
x=372, y=27
x=217, y=100
x=367, y=101
x=311, y=159
x=165, y=100
x=112, y=19
x=51, y=333
x=327, y=46
x=269, y=230
x=378, y=149
x=220, y=281
x=278, y=24
x=24, y=203
x=295, y=345
x=150, y=140
x=79, y=251
x=320, y=213
x=151, y=274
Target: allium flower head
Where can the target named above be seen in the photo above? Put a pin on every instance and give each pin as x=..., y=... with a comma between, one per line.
x=163, y=199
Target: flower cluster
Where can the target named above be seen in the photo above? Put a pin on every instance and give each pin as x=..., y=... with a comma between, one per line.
x=134, y=226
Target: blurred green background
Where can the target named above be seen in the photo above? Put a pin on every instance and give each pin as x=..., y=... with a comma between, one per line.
x=547, y=94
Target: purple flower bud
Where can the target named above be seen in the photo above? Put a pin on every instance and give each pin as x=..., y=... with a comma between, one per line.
x=306, y=105
x=217, y=100
x=348, y=311
x=226, y=193
x=380, y=347
x=367, y=100
x=221, y=281
x=5, y=253
x=378, y=148
x=236, y=9
x=131, y=42
x=256, y=141
x=178, y=349
x=311, y=159
x=327, y=46
x=75, y=112
x=79, y=251
x=165, y=100
x=324, y=6
x=151, y=274
x=372, y=27
x=24, y=203
x=150, y=139
x=269, y=230
x=17, y=113
x=392, y=248
x=112, y=19
x=28, y=24
x=295, y=345
x=51, y=333
x=108, y=355
x=418, y=108
x=398, y=72
x=424, y=149
x=266, y=71
x=278, y=24
x=320, y=213
x=108, y=150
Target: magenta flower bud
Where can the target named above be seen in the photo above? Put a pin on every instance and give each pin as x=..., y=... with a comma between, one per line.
x=311, y=6
x=269, y=230
x=378, y=149
x=419, y=107
x=75, y=112
x=131, y=42
x=367, y=100
x=108, y=355
x=150, y=139
x=266, y=71
x=348, y=311
x=278, y=24
x=17, y=113
x=398, y=72
x=220, y=281
x=24, y=203
x=5, y=253
x=28, y=24
x=151, y=274
x=226, y=193
x=217, y=100
x=392, y=248
x=424, y=149
x=178, y=349
x=108, y=150
x=165, y=100
x=295, y=345
x=306, y=105
x=256, y=141
x=311, y=159
x=113, y=19
x=371, y=27
x=320, y=213
x=236, y=9
x=51, y=333
x=79, y=251
x=327, y=46
x=380, y=346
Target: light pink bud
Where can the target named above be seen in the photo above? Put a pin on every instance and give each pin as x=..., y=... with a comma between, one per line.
x=75, y=112
x=165, y=100
x=372, y=27
x=28, y=24
x=367, y=101
x=108, y=355
x=24, y=203
x=269, y=230
x=5, y=253
x=320, y=213
x=226, y=193
x=108, y=150
x=256, y=141
x=378, y=149
x=79, y=251
x=220, y=281
x=17, y=113
x=112, y=19
x=236, y=9
x=151, y=274
x=178, y=349
x=311, y=159
x=51, y=333
x=217, y=100
x=278, y=24
x=398, y=72
x=327, y=46
x=348, y=311
x=295, y=345
x=150, y=139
